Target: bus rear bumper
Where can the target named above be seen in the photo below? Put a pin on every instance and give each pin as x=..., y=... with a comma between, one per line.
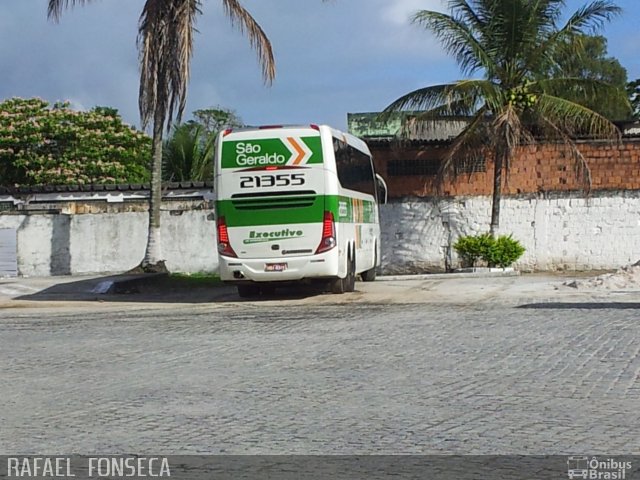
x=235, y=270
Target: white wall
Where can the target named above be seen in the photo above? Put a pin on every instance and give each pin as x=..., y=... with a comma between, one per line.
x=110, y=242
x=601, y=232
x=8, y=244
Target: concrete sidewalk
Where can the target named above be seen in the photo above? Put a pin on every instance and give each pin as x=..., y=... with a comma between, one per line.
x=456, y=288
x=122, y=284
x=135, y=288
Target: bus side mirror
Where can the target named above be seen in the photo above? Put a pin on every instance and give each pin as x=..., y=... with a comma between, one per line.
x=383, y=191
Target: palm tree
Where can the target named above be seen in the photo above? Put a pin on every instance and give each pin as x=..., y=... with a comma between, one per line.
x=512, y=43
x=633, y=91
x=188, y=154
x=165, y=44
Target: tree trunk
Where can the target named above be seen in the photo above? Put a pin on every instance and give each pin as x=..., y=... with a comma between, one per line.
x=153, y=261
x=497, y=193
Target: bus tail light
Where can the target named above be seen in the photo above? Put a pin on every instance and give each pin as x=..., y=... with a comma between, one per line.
x=224, y=247
x=328, y=240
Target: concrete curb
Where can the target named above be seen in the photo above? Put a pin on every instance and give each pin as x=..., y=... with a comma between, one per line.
x=447, y=276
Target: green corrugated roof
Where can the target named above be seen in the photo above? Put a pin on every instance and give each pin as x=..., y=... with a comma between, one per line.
x=368, y=125
x=371, y=126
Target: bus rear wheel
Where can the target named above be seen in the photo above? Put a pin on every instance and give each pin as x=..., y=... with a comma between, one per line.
x=337, y=286
x=370, y=275
x=350, y=279
x=348, y=283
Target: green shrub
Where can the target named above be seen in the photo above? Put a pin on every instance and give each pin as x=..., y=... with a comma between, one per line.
x=473, y=247
x=502, y=251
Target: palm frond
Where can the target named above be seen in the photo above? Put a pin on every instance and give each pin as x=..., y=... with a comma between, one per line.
x=574, y=120
x=56, y=7
x=188, y=154
x=516, y=29
x=422, y=99
x=509, y=133
x=165, y=43
x=469, y=146
x=151, y=40
x=460, y=98
x=476, y=19
x=453, y=109
x=246, y=23
x=591, y=17
x=458, y=39
x=581, y=166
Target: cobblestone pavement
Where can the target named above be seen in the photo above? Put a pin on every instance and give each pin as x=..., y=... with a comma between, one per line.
x=481, y=377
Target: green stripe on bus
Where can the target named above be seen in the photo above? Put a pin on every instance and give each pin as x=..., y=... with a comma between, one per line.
x=266, y=214
x=351, y=210
x=259, y=212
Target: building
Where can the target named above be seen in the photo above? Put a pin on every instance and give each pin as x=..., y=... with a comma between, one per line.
x=410, y=161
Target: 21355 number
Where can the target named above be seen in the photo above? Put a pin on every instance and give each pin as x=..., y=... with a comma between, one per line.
x=266, y=181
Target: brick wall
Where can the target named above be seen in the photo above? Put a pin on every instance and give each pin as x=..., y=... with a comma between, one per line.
x=536, y=168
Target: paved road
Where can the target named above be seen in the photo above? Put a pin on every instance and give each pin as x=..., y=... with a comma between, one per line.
x=496, y=366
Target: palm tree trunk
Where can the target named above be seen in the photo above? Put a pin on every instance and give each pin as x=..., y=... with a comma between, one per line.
x=153, y=261
x=497, y=193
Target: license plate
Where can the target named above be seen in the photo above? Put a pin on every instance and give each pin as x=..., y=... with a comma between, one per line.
x=275, y=267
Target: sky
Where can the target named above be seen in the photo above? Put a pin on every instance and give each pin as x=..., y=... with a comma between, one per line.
x=331, y=57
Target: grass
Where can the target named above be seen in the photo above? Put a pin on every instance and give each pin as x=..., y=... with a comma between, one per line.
x=195, y=279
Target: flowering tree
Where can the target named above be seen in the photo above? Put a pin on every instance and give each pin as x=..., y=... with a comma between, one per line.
x=44, y=144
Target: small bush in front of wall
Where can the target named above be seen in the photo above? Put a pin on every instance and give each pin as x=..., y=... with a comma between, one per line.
x=473, y=247
x=501, y=252
x=504, y=251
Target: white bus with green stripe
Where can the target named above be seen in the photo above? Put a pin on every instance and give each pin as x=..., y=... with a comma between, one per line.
x=295, y=204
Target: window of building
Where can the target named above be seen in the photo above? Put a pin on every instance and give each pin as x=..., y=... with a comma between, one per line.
x=414, y=167
x=471, y=165
x=429, y=167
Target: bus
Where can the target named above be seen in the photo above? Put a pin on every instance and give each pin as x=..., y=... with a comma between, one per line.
x=295, y=204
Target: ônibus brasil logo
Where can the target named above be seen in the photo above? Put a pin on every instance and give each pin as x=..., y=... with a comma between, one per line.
x=271, y=152
x=595, y=468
